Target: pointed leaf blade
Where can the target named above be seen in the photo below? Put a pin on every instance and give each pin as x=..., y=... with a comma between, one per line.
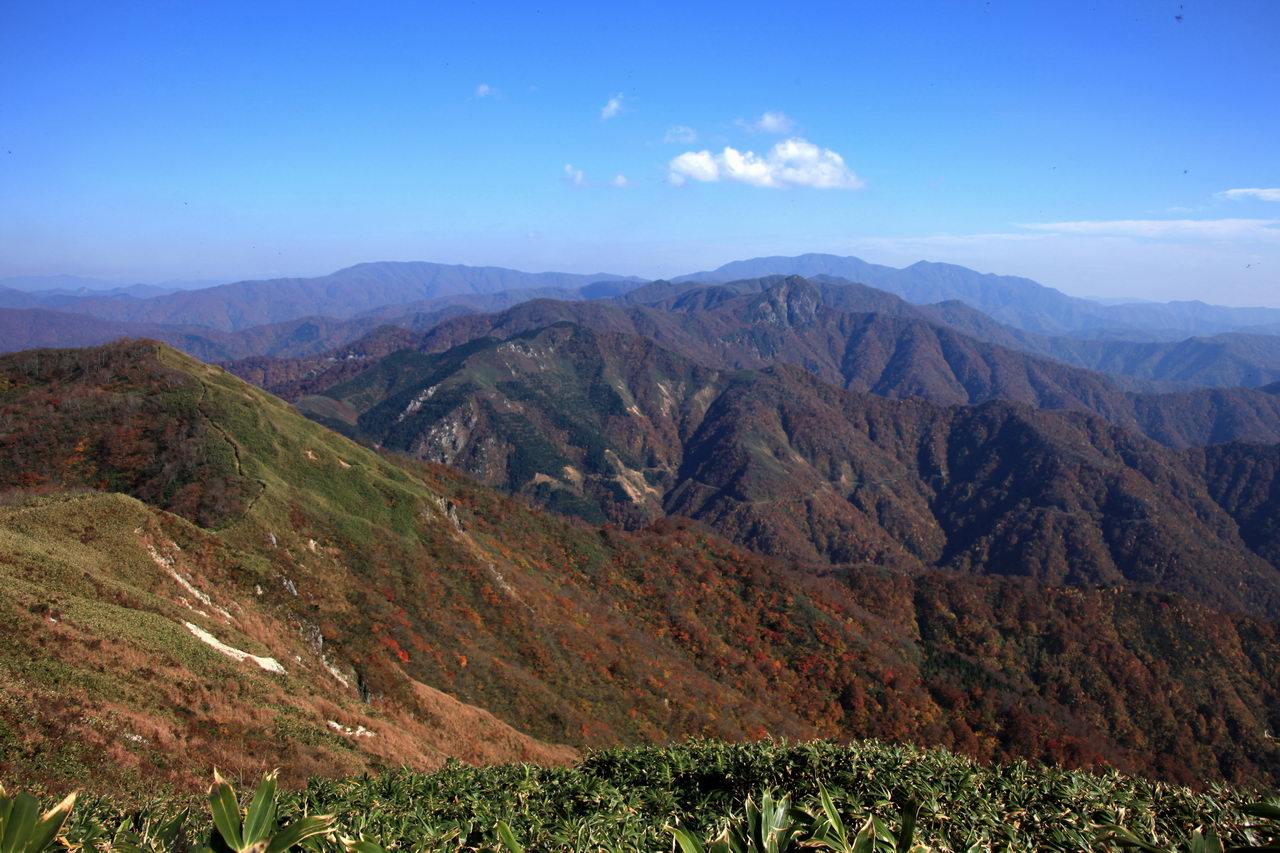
x=51, y=824
x=226, y=812
x=298, y=831
x=508, y=838
x=262, y=811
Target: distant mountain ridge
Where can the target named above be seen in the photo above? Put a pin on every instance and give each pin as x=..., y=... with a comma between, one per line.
x=1145, y=346
x=343, y=294
x=1016, y=301
x=27, y=328
x=1020, y=302
x=1223, y=360
x=65, y=284
x=818, y=327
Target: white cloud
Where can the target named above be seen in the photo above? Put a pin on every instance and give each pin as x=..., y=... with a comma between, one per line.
x=611, y=108
x=791, y=163
x=574, y=176
x=694, y=165
x=681, y=134
x=620, y=181
x=1260, y=193
x=770, y=122
x=1155, y=229
x=484, y=90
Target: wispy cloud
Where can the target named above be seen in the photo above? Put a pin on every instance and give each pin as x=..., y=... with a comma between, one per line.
x=1259, y=193
x=574, y=175
x=770, y=122
x=484, y=90
x=681, y=134
x=612, y=107
x=1156, y=229
x=620, y=181
x=791, y=163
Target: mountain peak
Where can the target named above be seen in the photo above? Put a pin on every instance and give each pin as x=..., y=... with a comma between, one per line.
x=794, y=301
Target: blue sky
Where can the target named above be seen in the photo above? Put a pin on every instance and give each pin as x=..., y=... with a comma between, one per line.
x=1089, y=146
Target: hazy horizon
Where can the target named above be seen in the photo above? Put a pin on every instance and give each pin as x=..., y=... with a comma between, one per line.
x=177, y=284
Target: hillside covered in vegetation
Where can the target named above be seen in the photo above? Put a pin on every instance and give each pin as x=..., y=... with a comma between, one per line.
x=172, y=536
x=703, y=795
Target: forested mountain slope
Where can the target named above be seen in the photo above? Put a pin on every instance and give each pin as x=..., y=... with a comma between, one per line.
x=375, y=583
x=797, y=322
x=613, y=427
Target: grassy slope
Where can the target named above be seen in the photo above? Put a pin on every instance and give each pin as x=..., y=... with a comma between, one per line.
x=100, y=679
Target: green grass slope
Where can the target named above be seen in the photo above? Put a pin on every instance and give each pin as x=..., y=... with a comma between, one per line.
x=108, y=675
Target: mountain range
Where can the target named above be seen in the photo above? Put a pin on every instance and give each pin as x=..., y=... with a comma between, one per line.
x=1019, y=302
x=343, y=294
x=1181, y=345
x=794, y=321
x=612, y=427
x=474, y=513
x=195, y=573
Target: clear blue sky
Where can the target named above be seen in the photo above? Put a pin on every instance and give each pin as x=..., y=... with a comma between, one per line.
x=1088, y=145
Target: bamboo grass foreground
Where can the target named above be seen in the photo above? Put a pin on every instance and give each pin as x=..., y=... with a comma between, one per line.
x=698, y=796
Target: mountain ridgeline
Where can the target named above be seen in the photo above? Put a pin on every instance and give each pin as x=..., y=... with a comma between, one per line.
x=342, y=294
x=1189, y=343
x=841, y=335
x=1019, y=302
x=497, y=516
x=609, y=426
x=196, y=573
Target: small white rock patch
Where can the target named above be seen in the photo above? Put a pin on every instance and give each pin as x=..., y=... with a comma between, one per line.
x=269, y=664
x=358, y=731
x=169, y=566
x=335, y=672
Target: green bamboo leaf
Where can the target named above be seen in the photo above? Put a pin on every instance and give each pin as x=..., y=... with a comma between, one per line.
x=727, y=842
x=19, y=822
x=865, y=840
x=43, y=833
x=1269, y=811
x=226, y=812
x=508, y=838
x=6, y=812
x=262, y=811
x=299, y=831
x=833, y=815
x=1205, y=842
x=362, y=846
x=1124, y=838
x=907, y=832
x=687, y=841
x=168, y=832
